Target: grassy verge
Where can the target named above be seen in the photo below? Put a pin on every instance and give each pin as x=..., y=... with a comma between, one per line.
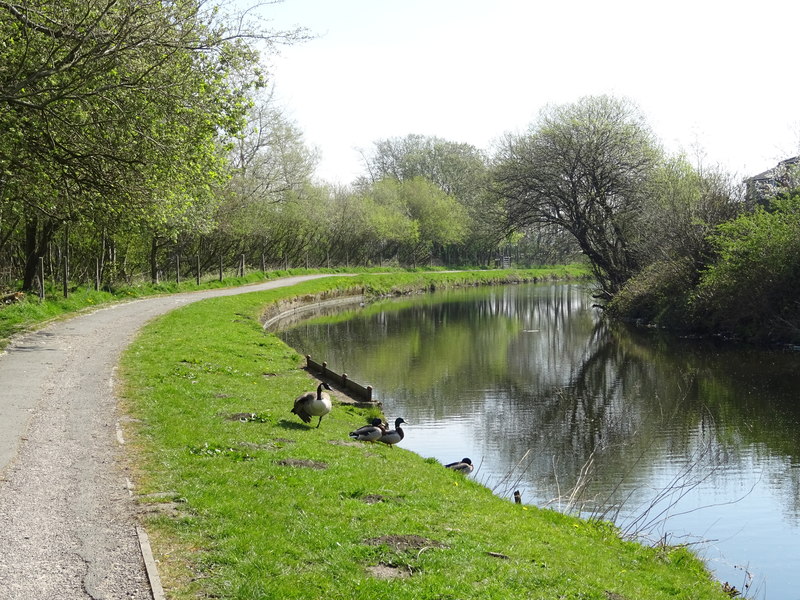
x=246, y=502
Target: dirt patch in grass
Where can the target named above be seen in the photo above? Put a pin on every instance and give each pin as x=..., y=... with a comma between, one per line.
x=366, y=498
x=404, y=542
x=373, y=499
x=306, y=464
x=173, y=510
x=383, y=571
x=345, y=443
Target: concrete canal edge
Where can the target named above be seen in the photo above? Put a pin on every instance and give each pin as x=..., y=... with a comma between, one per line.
x=296, y=307
x=150, y=564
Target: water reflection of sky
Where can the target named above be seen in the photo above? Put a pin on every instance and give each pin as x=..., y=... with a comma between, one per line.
x=530, y=384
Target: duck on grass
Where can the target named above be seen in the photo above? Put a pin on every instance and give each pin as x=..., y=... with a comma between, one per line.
x=313, y=404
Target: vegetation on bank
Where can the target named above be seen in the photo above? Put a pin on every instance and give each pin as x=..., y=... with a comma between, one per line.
x=746, y=290
x=670, y=243
x=243, y=501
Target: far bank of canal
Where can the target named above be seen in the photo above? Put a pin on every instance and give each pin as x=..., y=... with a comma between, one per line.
x=677, y=440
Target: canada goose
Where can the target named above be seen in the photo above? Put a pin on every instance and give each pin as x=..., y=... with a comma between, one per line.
x=313, y=404
x=393, y=436
x=369, y=433
x=462, y=466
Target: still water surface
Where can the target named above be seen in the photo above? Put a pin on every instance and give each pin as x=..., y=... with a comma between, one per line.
x=678, y=440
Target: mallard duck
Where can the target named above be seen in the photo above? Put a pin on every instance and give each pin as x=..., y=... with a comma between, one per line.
x=393, y=436
x=462, y=466
x=313, y=404
x=369, y=433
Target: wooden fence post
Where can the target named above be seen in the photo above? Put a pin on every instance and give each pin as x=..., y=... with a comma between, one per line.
x=66, y=261
x=178, y=269
x=220, y=267
x=198, y=269
x=96, y=274
x=41, y=278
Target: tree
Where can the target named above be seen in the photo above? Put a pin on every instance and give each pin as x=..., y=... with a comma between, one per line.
x=269, y=157
x=584, y=168
x=269, y=164
x=424, y=215
x=458, y=169
x=684, y=206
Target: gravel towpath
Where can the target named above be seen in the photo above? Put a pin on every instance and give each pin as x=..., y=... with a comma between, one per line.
x=68, y=528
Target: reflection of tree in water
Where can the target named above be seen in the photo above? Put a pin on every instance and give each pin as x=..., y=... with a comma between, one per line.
x=632, y=403
x=539, y=371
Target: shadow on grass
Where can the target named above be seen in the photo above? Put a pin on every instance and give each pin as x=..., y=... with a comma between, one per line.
x=286, y=424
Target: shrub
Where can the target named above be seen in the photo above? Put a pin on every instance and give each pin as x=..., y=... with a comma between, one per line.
x=750, y=291
x=659, y=294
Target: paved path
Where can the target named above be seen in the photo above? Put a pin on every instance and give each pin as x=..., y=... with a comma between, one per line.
x=67, y=517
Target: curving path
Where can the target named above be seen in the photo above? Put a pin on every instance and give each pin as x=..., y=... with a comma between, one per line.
x=68, y=528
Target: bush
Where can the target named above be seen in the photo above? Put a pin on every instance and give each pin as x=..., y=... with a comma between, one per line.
x=750, y=291
x=659, y=294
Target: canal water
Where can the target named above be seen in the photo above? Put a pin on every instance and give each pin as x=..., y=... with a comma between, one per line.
x=677, y=441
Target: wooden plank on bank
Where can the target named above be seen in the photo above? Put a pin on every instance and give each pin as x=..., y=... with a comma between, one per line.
x=363, y=393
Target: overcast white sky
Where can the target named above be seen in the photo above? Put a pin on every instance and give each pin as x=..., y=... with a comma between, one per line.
x=721, y=76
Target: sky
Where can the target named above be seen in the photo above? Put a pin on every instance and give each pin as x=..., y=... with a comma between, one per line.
x=718, y=80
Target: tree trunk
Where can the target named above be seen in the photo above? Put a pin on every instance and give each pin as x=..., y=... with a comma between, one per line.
x=38, y=236
x=65, y=280
x=154, y=260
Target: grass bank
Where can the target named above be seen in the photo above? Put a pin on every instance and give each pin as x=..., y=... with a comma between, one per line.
x=243, y=501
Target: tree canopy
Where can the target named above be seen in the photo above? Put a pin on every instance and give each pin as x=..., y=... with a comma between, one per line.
x=112, y=111
x=583, y=168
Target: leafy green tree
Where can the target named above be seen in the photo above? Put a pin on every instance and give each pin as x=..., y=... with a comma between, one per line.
x=269, y=156
x=270, y=164
x=583, y=168
x=683, y=206
x=421, y=213
x=459, y=170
